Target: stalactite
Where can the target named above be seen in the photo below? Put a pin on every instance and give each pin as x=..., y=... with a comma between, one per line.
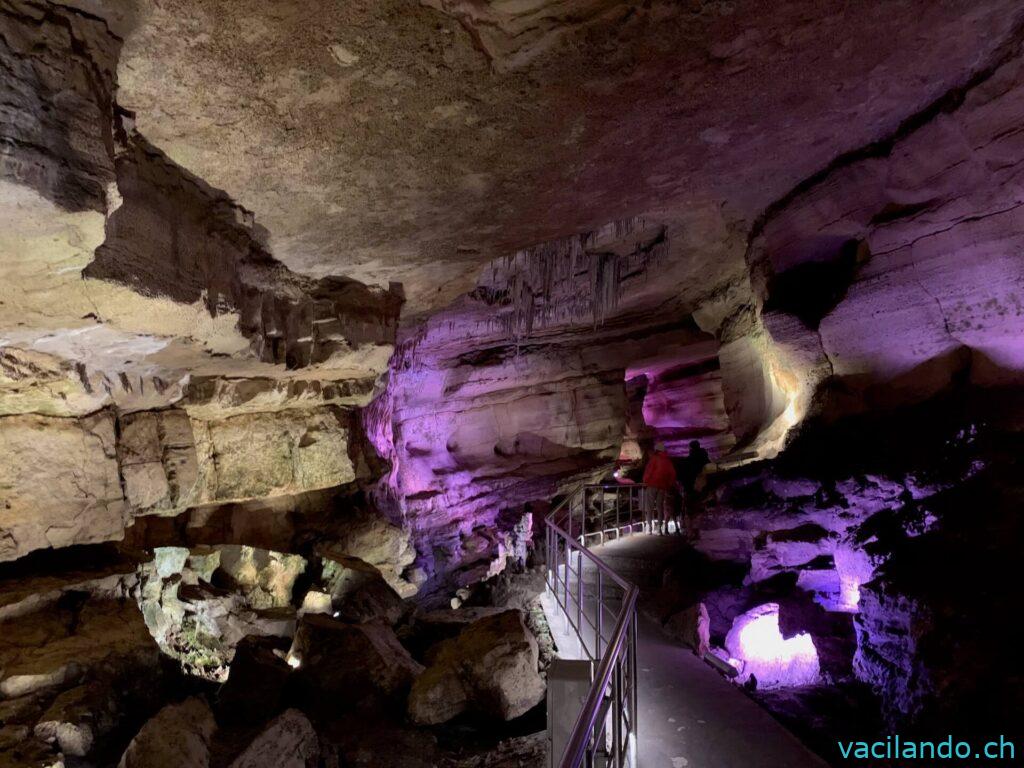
x=578, y=279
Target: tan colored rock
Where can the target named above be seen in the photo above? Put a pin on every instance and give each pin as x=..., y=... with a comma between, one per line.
x=78, y=718
x=316, y=601
x=490, y=667
x=288, y=742
x=59, y=483
x=115, y=578
x=375, y=541
x=271, y=454
x=199, y=624
x=178, y=736
x=266, y=578
x=52, y=648
x=158, y=460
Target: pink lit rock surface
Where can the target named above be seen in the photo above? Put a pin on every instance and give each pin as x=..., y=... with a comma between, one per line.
x=772, y=660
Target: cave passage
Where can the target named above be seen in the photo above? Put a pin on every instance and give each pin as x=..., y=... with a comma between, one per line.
x=474, y=384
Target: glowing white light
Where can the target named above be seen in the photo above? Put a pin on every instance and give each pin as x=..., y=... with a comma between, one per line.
x=294, y=661
x=775, y=661
x=849, y=593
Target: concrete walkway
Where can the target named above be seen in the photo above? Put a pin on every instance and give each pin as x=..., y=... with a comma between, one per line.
x=689, y=715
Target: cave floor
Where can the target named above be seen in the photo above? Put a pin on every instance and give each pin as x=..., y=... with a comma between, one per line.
x=689, y=715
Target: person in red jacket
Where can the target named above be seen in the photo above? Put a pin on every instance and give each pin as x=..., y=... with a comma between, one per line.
x=660, y=479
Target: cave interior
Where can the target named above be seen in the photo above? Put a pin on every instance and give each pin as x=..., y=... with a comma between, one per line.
x=313, y=311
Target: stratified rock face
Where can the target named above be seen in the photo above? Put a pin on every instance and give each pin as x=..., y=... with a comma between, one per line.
x=897, y=272
x=82, y=480
x=178, y=736
x=260, y=455
x=158, y=460
x=677, y=397
x=520, y=387
x=96, y=367
x=59, y=483
x=490, y=668
x=174, y=236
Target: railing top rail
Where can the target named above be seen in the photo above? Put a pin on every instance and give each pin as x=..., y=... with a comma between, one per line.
x=598, y=562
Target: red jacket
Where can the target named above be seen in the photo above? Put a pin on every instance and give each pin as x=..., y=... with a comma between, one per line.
x=659, y=472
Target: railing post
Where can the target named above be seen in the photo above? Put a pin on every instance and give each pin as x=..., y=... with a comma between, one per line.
x=634, y=645
x=579, y=600
x=583, y=518
x=598, y=629
x=616, y=711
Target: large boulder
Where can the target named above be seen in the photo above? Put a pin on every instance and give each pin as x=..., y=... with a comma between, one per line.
x=256, y=683
x=353, y=664
x=265, y=577
x=377, y=542
x=60, y=483
x=288, y=742
x=177, y=737
x=358, y=592
x=77, y=718
x=490, y=667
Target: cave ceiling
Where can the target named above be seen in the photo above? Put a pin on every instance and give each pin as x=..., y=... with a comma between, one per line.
x=202, y=194
x=414, y=142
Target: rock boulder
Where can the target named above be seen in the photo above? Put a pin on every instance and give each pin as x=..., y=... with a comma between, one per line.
x=490, y=667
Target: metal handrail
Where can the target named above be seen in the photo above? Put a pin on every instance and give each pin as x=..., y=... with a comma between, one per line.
x=617, y=663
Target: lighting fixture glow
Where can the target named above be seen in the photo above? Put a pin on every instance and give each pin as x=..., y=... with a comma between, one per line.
x=773, y=660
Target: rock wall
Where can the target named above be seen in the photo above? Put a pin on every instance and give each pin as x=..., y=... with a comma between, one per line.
x=519, y=388
x=173, y=235
x=83, y=480
x=127, y=283
x=895, y=274
x=59, y=483
x=56, y=118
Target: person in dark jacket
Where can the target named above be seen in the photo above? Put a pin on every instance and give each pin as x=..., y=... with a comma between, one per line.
x=660, y=479
x=690, y=472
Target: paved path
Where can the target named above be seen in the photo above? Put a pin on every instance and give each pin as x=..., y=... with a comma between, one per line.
x=689, y=715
